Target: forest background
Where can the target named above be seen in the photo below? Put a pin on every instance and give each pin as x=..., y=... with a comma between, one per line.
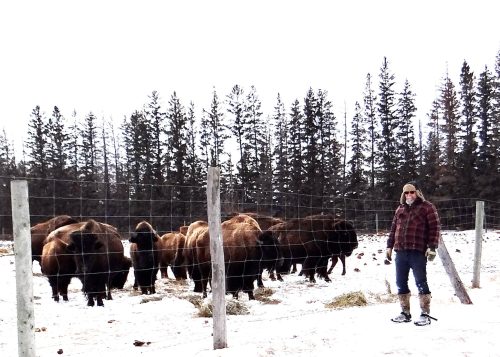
x=296, y=160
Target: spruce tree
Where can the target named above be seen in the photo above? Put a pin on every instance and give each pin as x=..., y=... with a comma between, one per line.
x=488, y=135
x=281, y=173
x=357, y=178
x=36, y=144
x=370, y=115
x=405, y=137
x=389, y=184
x=467, y=152
x=449, y=128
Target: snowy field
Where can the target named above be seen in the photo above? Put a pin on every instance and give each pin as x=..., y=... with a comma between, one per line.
x=292, y=321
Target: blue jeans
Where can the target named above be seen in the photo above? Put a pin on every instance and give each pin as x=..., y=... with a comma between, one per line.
x=417, y=262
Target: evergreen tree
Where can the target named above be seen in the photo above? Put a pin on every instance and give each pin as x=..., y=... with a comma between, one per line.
x=281, y=176
x=466, y=162
x=330, y=150
x=405, y=142
x=449, y=128
x=488, y=135
x=236, y=102
x=357, y=179
x=213, y=133
x=295, y=156
x=311, y=150
x=389, y=184
x=7, y=158
x=255, y=138
x=156, y=119
x=370, y=115
x=195, y=173
x=58, y=145
x=431, y=170
x=36, y=144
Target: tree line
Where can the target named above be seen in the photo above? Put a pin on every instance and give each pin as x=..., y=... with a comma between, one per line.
x=294, y=160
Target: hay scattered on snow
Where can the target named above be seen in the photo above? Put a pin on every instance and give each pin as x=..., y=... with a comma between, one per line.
x=351, y=299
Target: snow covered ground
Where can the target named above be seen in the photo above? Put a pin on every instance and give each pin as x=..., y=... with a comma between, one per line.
x=293, y=321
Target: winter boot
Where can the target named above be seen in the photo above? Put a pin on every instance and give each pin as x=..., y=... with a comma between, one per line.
x=404, y=316
x=425, y=306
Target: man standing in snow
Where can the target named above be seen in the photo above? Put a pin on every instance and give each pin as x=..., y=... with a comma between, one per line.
x=414, y=237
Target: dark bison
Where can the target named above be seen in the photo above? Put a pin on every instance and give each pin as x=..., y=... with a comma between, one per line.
x=311, y=241
x=98, y=254
x=246, y=249
x=119, y=280
x=145, y=255
x=171, y=247
x=40, y=231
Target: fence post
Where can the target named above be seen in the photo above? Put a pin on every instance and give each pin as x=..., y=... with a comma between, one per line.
x=23, y=264
x=478, y=246
x=217, y=254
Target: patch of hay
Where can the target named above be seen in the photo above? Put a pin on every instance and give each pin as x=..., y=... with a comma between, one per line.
x=233, y=307
x=149, y=298
x=264, y=296
x=351, y=299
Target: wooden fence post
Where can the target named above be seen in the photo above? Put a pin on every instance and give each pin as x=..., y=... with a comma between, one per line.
x=217, y=254
x=450, y=269
x=24, y=272
x=478, y=246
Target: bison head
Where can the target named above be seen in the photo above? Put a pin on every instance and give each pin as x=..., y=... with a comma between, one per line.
x=271, y=256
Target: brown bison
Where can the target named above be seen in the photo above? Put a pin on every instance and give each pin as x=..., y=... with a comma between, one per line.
x=57, y=262
x=98, y=254
x=312, y=240
x=40, y=231
x=145, y=255
x=197, y=255
x=171, y=246
x=119, y=280
x=246, y=249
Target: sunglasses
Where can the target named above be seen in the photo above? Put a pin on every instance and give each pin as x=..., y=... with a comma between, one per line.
x=407, y=192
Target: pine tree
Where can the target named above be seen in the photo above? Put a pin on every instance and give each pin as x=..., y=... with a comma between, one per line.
x=357, y=179
x=255, y=138
x=156, y=119
x=311, y=150
x=236, y=102
x=330, y=150
x=58, y=145
x=405, y=141
x=449, y=128
x=431, y=170
x=389, y=185
x=281, y=176
x=370, y=116
x=295, y=157
x=487, y=158
x=7, y=158
x=213, y=133
x=467, y=154
x=36, y=144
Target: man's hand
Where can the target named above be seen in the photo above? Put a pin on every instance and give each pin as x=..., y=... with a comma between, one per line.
x=430, y=254
x=388, y=254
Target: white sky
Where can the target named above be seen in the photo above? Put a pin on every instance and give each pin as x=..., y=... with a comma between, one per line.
x=297, y=324
x=108, y=56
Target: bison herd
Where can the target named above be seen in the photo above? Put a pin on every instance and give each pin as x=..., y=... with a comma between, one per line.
x=94, y=253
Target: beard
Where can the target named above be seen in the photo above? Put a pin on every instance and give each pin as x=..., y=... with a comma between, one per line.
x=409, y=201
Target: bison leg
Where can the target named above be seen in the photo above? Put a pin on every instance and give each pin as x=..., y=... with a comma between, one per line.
x=99, y=300
x=342, y=259
x=335, y=259
x=90, y=301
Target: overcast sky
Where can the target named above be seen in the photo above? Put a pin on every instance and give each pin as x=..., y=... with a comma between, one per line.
x=108, y=56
